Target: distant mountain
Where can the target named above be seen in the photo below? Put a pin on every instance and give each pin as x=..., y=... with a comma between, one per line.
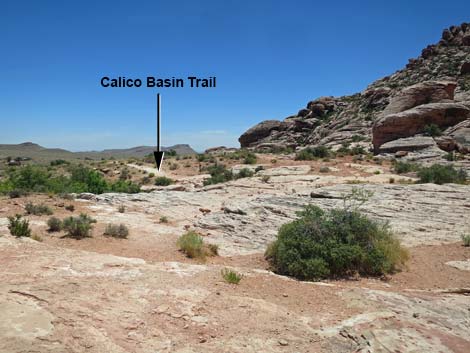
x=39, y=153
x=142, y=151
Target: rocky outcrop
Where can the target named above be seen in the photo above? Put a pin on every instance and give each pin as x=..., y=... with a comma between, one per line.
x=438, y=75
x=413, y=121
x=407, y=144
x=421, y=93
x=260, y=131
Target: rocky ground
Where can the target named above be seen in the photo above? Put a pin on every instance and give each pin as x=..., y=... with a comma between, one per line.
x=141, y=294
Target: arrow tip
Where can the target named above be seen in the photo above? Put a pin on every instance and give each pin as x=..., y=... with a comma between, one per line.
x=158, y=158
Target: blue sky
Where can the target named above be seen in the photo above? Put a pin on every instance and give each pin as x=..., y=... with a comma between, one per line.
x=270, y=59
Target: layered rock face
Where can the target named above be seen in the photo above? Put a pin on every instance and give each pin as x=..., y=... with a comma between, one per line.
x=432, y=89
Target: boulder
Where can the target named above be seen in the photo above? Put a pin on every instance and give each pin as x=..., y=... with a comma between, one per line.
x=462, y=140
x=260, y=131
x=407, y=144
x=378, y=97
x=413, y=121
x=445, y=143
x=465, y=68
x=421, y=93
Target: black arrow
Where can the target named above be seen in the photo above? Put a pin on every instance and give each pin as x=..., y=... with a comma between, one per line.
x=158, y=154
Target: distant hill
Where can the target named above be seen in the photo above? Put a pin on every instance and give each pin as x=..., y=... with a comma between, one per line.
x=43, y=154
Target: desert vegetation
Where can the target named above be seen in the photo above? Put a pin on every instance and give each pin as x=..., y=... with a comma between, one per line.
x=193, y=246
x=77, y=179
x=340, y=242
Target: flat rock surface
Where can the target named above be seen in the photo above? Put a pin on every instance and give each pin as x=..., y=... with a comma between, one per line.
x=141, y=295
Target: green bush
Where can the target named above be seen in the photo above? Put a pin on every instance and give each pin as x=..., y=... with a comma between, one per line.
x=202, y=157
x=191, y=244
x=432, y=130
x=336, y=243
x=250, y=158
x=124, y=187
x=38, y=210
x=245, y=173
x=81, y=179
x=163, y=181
x=54, y=224
x=91, y=180
x=78, y=227
x=312, y=153
x=231, y=276
x=442, y=174
x=404, y=167
x=70, y=208
x=163, y=219
x=58, y=162
x=219, y=174
x=466, y=239
x=117, y=231
x=18, y=226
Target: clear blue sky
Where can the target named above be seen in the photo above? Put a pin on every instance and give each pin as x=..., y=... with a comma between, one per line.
x=270, y=59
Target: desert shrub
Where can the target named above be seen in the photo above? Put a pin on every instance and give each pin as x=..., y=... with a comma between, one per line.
x=14, y=194
x=442, y=174
x=202, y=157
x=450, y=156
x=127, y=187
x=70, y=208
x=466, y=239
x=38, y=210
x=231, y=276
x=151, y=175
x=357, y=151
x=191, y=244
x=274, y=161
x=324, y=169
x=122, y=209
x=117, y=231
x=357, y=138
x=163, y=181
x=335, y=243
x=78, y=227
x=432, y=130
x=245, y=173
x=174, y=166
x=265, y=178
x=250, y=158
x=312, y=153
x=212, y=249
x=91, y=180
x=125, y=174
x=219, y=174
x=163, y=219
x=54, y=224
x=29, y=178
x=18, y=226
x=404, y=167
x=170, y=153
x=58, y=162
x=36, y=237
